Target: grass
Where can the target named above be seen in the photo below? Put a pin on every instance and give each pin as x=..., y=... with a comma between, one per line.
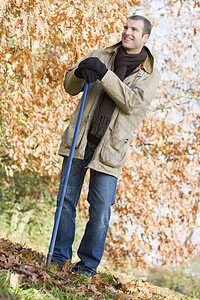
x=79, y=289
x=43, y=292
x=46, y=292
x=177, y=280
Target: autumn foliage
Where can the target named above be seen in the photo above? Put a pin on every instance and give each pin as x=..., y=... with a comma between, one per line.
x=157, y=202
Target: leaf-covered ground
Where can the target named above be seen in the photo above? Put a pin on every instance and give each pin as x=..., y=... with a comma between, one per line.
x=27, y=268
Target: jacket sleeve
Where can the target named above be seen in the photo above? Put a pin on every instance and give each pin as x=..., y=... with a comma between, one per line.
x=72, y=84
x=131, y=97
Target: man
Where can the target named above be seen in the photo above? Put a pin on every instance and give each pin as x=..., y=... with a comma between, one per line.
x=123, y=81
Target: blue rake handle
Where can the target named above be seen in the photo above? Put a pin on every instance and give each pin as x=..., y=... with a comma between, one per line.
x=60, y=204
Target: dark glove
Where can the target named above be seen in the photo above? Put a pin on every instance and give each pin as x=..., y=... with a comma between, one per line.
x=94, y=63
x=89, y=75
x=78, y=73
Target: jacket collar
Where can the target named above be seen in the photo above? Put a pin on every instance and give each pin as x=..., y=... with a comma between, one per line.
x=147, y=65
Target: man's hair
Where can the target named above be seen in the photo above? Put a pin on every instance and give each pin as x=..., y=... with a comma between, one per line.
x=146, y=22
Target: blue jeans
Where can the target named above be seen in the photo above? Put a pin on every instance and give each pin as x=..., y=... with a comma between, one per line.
x=101, y=195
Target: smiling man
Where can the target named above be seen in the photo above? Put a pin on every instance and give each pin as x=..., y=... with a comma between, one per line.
x=123, y=81
x=135, y=34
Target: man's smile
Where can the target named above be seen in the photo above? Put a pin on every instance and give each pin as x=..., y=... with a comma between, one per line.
x=129, y=39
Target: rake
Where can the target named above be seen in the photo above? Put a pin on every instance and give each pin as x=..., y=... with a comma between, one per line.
x=61, y=200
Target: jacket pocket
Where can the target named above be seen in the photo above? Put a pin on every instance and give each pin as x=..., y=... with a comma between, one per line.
x=115, y=149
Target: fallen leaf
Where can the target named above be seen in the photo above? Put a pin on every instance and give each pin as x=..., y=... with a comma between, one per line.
x=14, y=280
x=92, y=287
x=67, y=267
x=122, y=296
x=9, y=262
x=30, y=257
x=111, y=290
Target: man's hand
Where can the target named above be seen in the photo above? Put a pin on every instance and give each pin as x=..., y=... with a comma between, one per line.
x=92, y=64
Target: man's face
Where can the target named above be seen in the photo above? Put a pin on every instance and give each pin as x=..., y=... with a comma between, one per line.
x=132, y=36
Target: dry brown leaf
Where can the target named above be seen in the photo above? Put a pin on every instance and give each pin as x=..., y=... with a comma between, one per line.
x=123, y=296
x=111, y=289
x=14, y=280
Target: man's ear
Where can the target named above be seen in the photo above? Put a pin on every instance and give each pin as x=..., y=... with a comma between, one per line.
x=145, y=38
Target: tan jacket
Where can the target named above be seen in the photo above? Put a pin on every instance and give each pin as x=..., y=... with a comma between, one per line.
x=133, y=97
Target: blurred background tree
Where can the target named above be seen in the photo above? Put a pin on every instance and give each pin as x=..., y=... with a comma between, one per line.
x=157, y=205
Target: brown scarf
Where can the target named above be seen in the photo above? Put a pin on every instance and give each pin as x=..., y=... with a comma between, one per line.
x=124, y=65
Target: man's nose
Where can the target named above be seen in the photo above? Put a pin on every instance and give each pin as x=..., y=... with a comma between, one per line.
x=128, y=31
